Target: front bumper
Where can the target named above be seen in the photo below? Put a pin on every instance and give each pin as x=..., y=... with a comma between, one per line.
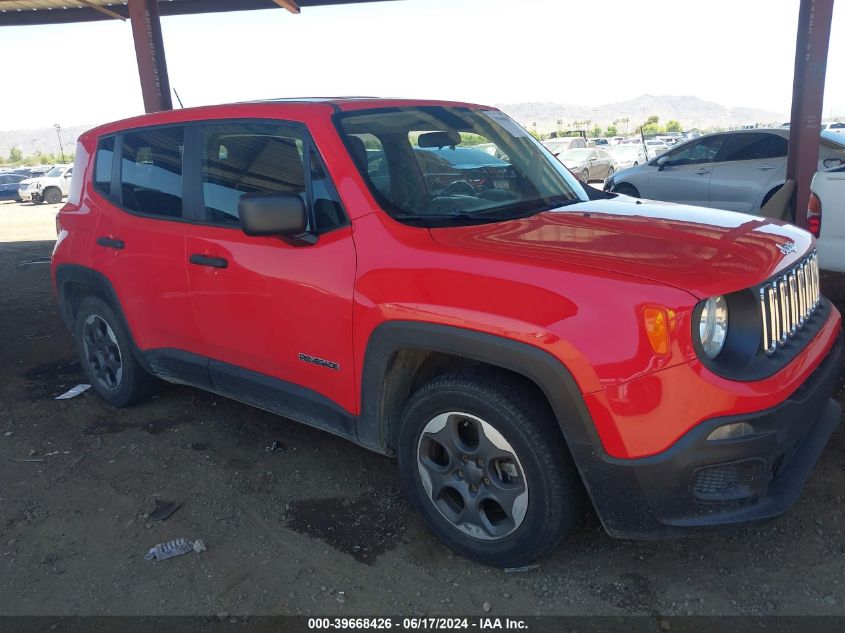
x=698, y=484
x=25, y=196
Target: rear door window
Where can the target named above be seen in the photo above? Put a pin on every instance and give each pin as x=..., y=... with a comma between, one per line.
x=151, y=171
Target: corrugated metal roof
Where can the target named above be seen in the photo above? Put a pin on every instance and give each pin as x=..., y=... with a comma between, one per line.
x=23, y=12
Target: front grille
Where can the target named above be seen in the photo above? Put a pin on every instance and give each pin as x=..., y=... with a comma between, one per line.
x=787, y=301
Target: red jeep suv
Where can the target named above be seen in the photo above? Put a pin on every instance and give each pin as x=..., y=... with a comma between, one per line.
x=425, y=279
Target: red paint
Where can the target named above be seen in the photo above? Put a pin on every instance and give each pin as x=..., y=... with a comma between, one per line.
x=578, y=283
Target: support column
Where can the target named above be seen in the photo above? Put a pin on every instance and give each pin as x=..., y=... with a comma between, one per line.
x=811, y=47
x=149, y=50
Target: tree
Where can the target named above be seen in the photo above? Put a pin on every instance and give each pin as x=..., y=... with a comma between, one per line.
x=653, y=119
x=596, y=131
x=611, y=131
x=15, y=155
x=651, y=128
x=673, y=126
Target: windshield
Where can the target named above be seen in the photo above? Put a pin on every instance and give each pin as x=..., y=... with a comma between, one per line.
x=834, y=138
x=55, y=172
x=433, y=164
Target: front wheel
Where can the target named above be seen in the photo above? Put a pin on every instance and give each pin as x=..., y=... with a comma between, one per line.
x=53, y=196
x=610, y=171
x=486, y=465
x=585, y=176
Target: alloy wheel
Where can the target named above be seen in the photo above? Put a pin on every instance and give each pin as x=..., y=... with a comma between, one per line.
x=472, y=475
x=102, y=352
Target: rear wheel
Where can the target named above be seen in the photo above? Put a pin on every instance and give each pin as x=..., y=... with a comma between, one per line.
x=610, y=171
x=106, y=355
x=52, y=196
x=486, y=466
x=585, y=176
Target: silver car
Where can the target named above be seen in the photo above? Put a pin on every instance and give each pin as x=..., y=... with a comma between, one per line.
x=588, y=163
x=737, y=171
x=625, y=156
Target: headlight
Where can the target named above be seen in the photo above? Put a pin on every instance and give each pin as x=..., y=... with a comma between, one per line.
x=713, y=326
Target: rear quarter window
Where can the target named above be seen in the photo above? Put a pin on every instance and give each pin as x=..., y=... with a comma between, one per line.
x=103, y=162
x=151, y=171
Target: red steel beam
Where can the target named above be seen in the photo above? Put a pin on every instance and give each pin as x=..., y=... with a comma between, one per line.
x=149, y=50
x=814, y=20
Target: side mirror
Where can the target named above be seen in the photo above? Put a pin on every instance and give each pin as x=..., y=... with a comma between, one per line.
x=273, y=213
x=661, y=163
x=829, y=163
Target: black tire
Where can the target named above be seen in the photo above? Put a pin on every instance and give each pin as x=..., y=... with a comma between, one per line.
x=52, y=196
x=626, y=190
x=131, y=384
x=636, y=162
x=554, y=493
x=585, y=176
x=610, y=171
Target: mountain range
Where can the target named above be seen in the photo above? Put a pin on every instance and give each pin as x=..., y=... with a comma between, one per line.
x=691, y=112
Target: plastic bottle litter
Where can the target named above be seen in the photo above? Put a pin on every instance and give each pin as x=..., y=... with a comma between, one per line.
x=173, y=548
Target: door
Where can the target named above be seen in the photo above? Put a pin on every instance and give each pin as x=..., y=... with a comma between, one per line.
x=684, y=176
x=64, y=183
x=748, y=165
x=275, y=316
x=140, y=239
x=6, y=191
x=603, y=163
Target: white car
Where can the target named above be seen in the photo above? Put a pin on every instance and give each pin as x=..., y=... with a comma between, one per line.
x=655, y=148
x=737, y=171
x=49, y=188
x=625, y=156
x=827, y=204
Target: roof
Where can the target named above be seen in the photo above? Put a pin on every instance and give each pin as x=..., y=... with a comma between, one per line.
x=293, y=107
x=27, y=12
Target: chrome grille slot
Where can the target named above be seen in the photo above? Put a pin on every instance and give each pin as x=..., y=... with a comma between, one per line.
x=787, y=301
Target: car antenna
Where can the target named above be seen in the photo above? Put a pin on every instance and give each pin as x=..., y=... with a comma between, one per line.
x=178, y=99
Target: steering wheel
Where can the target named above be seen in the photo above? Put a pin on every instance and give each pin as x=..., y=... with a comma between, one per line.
x=459, y=187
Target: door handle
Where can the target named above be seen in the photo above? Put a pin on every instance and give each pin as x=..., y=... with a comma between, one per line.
x=205, y=260
x=701, y=172
x=110, y=242
x=766, y=167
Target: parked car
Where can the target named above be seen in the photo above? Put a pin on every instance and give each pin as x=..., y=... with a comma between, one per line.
x=737, y=171
x=826, y=217
x=564, y=143
x=521, y=352
x=602, y=142
x=590, y=163
x=9, y=183
x=654, y=148
x=625, y=156
x=49, y=188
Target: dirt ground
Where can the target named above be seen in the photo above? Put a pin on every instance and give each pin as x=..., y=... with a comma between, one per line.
x=318, y=526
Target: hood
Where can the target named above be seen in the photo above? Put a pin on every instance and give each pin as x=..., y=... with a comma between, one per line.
x=703, y=251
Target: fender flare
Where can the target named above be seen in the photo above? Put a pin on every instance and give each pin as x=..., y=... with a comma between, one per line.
x=66, y=274
x=542, y=368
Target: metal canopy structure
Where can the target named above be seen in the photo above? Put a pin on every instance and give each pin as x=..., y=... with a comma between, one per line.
x=32, y=12
x=811, y=50
x=144, y=16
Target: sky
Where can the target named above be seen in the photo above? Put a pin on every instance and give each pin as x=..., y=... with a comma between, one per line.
x=733, y=52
